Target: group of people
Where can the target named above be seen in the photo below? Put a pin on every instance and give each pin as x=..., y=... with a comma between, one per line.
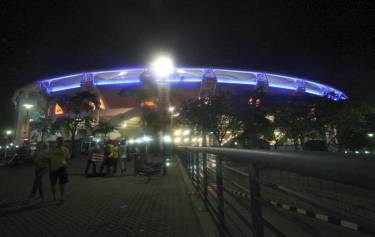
x=109, y=156
x=54, y=161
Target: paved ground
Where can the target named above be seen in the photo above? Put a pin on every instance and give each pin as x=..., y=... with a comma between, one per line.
x=115, y=206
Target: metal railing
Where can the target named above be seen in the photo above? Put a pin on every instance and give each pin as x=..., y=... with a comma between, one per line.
x=252, y=192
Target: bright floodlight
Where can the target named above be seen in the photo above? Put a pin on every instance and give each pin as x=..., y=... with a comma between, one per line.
x=171, y=109
x=162, y=66
x=177, y=132
x=146, y=138
x=28, y=106
x=167, y=139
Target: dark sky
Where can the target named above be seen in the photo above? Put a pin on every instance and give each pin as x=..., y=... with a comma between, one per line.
x=324, y=40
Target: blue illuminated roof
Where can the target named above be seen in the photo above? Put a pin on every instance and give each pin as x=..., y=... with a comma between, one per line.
x=192, y=75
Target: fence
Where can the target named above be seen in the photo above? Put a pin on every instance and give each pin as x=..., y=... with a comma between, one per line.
x=251, y=192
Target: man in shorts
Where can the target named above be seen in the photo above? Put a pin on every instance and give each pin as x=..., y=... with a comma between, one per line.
x=57, y=157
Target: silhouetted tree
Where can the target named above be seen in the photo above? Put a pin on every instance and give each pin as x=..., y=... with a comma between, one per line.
x=104, y=128
x=77, y=113
x=216, y=115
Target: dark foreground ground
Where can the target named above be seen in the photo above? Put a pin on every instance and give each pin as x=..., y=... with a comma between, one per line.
x=112, y=206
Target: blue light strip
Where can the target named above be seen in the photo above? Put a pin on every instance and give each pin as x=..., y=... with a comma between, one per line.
x=61, y=78
x=191, y=80
x=115, y=82
x=118, y=70
x=281, y=86
x=236, y=81
x=67, y=87
x=194, y=75
x=313, y=92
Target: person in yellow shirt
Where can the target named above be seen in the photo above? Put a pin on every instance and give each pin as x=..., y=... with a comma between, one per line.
x=115, y=151
x=108, y=158
x=57, y=158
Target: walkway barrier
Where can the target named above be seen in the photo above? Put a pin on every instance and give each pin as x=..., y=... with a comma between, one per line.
x=253, y=192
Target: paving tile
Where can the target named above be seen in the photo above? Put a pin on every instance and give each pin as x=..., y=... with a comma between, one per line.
x=113, y=206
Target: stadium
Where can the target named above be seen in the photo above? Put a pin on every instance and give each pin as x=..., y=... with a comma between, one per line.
x=32, y=101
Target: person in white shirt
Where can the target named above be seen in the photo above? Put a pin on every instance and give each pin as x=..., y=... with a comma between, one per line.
x=123, y=156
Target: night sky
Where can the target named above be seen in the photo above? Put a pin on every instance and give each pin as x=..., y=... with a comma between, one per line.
x=326, y=40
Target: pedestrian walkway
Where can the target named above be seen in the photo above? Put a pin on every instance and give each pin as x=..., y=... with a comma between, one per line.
x=113, y=206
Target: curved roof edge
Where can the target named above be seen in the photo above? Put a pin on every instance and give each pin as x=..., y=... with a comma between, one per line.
x=192, y=75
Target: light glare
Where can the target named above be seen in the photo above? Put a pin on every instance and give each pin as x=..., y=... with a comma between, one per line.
x=162, y=66
x=167, y=139
x=28, y=106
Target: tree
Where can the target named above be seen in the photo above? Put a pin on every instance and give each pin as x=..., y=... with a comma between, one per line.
x=104, y=128
x=147, y=98
x=294, y=119
x=350, y=124
x=42, y=126
x=77, y=113
x=216, y=115
x=258, y=131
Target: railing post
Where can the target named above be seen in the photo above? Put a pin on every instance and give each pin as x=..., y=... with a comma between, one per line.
x=255, y=202
x=205, y=178
x=188, y=157
x=219, y=191
x=197, y=178
x=192, y=164
x=205, y=171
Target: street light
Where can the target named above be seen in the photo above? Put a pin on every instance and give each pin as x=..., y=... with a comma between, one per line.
x=8, y=132
x=28, y=106
x=167, y=139
x=146, y=138
x=171, y=109
x=177, y=132
x=162, y=66
x=370, y=134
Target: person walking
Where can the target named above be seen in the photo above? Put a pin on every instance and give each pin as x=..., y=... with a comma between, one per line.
x=41, y=168
x=57, y=158
x=123, y=156
x=108, y=158
x=92, y=158
x=115, y=157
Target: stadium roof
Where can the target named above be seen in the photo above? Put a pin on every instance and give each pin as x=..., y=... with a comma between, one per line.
x=192, y=75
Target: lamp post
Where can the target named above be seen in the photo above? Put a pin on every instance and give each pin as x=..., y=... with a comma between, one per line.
x=26, y=125
x=161, y=68
x=8, y=134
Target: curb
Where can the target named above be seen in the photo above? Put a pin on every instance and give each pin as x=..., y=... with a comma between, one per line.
x=318, y=216
x=206, y=223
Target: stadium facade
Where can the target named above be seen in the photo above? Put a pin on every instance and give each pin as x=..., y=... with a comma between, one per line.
x=31, y=101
